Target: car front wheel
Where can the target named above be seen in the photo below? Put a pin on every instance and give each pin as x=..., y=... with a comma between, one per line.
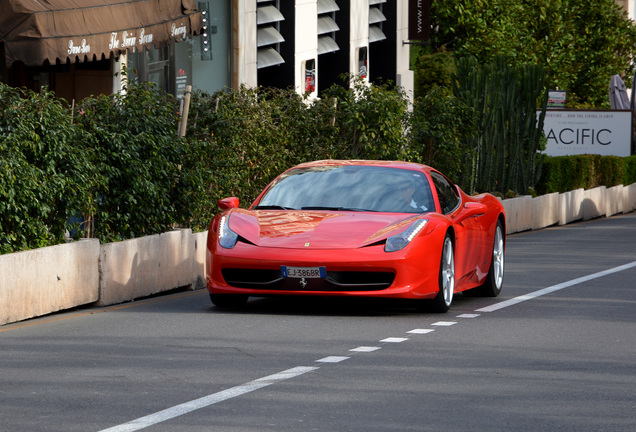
x=442, y=302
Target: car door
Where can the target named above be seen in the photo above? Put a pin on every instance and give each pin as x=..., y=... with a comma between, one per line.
x=467, y=230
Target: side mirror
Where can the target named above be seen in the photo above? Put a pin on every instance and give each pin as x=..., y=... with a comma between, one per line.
x=228, y=203
x=471, y=209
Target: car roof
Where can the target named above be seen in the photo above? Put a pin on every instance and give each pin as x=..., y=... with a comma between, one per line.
x=361, y=162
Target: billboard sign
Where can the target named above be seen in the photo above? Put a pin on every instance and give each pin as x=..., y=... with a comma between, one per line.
x=575, y=132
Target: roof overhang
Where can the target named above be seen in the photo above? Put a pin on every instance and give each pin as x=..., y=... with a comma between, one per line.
x=36, y=32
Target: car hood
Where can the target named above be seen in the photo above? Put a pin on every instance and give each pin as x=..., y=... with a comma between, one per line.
x=316, y=229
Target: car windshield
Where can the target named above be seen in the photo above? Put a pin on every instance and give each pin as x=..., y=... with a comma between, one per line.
x=353, y=188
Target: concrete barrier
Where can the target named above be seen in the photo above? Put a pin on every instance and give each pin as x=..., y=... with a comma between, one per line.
x=147, y=265
x=200, y=243
x=518, y=214
x=525, y=213
x=629, y=198
x=50, y=279
x=614, y=202
x=545, y=211
x=570, y=206
x=593, y=205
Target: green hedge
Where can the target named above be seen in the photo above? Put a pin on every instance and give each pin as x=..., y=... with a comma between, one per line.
x=43, y=178
x=113, y=168
x=566, y=173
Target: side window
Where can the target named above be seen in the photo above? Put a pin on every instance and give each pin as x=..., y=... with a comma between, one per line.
x=448, y=198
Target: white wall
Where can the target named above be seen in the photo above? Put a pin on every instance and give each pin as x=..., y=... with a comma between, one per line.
x=245, y=46
x=306, y=41
x=405, y=77
x=359, y=36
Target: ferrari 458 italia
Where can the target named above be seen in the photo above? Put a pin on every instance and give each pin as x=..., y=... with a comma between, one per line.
x=358, y=228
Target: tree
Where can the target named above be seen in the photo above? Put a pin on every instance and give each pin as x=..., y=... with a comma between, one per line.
x=509, y=137
x=580, y=44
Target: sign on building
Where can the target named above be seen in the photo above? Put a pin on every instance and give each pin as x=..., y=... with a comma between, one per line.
x=419, y=19
x=576, y=132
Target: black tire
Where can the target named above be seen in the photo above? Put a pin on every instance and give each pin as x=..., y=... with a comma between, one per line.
x=442, y=302
x=229, y=301
x=494, y=280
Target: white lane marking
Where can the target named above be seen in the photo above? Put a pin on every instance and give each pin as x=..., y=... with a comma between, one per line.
x=553, y=288
x=468, y=316
x=420, y=331
x=332, y=359
x=444, y=323
x=185, y=408
x=394, y=340
x=365, y=349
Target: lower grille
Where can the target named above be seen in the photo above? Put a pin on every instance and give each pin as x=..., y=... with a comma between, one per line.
x=335, y=280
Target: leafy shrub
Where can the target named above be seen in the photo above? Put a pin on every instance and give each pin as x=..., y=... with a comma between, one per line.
x=630, y=170
x=140, y=186
x=370, y=120
x=433, y=70
x=441, y=127
x=566, y=173
x=250, y=136
x=44, y=179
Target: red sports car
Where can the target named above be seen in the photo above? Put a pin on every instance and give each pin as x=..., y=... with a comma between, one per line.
x=357, y=228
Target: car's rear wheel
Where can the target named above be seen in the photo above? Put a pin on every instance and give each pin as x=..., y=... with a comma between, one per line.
x=494, y=280
x=442, y=302
x=228, y=300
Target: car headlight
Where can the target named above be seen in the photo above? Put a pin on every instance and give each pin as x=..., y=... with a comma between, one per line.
x=227, y=237
x=399, y=241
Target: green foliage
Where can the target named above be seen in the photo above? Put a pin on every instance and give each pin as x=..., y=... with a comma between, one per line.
x=508, y=138
x=580, y=44
x=566, y=173
x=370, y=120
x=433, y=70
x=140, y=188
x=251, y=135
x=629, y=169
x=441, y=128
x=43, y=178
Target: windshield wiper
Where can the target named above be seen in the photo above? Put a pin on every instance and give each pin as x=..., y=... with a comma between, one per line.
x=272, y=207
x=336, y=208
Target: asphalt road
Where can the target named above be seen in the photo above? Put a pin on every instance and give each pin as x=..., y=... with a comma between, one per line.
x=555, y=352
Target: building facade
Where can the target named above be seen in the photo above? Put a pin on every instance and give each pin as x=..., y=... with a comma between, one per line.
x=211, y=45
x=310, y=44
x=79, y=51
x=628, y=6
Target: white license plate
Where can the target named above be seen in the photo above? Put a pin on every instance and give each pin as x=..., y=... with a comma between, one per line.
x=304, y=272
